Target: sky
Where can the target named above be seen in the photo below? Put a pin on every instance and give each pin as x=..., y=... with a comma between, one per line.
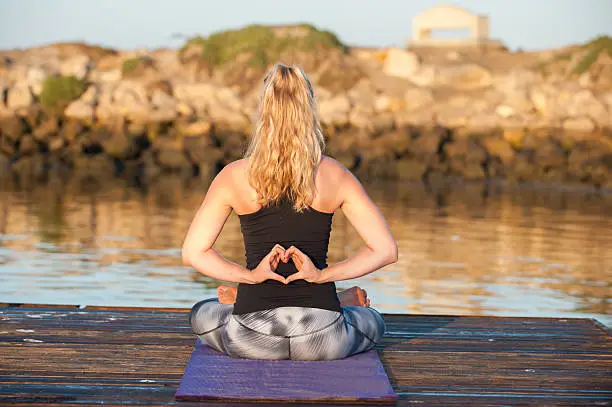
x=133, y=24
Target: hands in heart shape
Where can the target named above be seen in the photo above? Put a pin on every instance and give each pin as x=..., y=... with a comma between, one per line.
x=267, y=267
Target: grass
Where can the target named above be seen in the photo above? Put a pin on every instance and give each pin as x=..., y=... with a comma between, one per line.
x=262, y=44
x=593, y=49
x=132, y=66
x=58, y=91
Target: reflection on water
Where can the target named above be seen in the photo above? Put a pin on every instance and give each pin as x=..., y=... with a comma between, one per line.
x=463, y=250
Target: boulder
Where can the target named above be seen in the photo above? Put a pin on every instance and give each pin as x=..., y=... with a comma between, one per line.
x=78, y=66
x=48, y=128
x=195, y=129
x=83, y=107
x=173, y=160
x=12, y=128
x=198, y=95
x=418, y=98
x=579, y=124
x=500, y=148
x=410, y=169
x=465, y=77
x=27, y=145
x=19, y=96
x=335, y=111
x=584, y=103
x=401, y=63
x=80, y=110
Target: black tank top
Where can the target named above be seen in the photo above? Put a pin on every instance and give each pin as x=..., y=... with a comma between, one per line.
x=308, y=231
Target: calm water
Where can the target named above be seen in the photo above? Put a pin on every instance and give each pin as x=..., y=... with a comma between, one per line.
x=463, y=250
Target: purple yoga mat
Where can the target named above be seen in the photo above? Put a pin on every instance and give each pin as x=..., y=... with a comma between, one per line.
x=213, y=375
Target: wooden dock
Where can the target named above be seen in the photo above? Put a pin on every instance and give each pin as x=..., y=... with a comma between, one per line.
x=60, y=355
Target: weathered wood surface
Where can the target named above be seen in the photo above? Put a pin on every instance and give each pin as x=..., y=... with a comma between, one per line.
x=61, y=355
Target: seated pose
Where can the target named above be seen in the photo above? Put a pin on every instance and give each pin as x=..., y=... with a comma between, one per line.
x=285, y=193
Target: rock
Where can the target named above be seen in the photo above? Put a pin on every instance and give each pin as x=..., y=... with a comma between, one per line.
x=499, y=148
x=7, y=147
x=361, y=117
x=549, y=154
x=70, y=130
x=401, y=63
x=382, y=103
x=579, y=124
x=584, y=103
x=164, y=107
x=29, y=168
x=130, y=100
x=35, y=78
x=335, y=110
x=467, y=76
x=382, y=122
x=505, y=111
x=199, y=95
x=46, y=129
x=426, y=76
x=19, y=97
x=361, y=96
x=55, y=144
x=80, y=110
x=410, y=169
x=233, y=119
x=514, y=136
x=27, y=145
x=116, y=144
x=77, y=66
x=196, y=129
x=418, y=98
x=12, y=128
x=173, y=160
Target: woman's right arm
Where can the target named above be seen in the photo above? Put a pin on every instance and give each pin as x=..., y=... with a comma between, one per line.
x=380, y=245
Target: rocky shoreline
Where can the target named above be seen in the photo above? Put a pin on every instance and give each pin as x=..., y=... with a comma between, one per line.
x=389, y=113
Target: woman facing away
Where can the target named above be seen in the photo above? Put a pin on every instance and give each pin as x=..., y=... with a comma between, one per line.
x=285, y=192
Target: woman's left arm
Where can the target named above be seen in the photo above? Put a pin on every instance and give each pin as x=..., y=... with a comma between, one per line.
x=206, y=226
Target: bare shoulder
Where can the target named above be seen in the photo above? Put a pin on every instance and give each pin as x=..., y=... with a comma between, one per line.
x=332, y=169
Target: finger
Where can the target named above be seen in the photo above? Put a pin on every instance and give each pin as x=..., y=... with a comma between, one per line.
x=291, y=251
x=276, y=251
x=298, y=262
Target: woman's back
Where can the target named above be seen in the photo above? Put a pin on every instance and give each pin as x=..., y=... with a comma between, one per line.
x=281, y=224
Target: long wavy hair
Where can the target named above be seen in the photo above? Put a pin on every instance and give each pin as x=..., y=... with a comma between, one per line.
x=286, y=148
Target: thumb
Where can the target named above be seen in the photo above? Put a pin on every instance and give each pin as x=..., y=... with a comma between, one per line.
x=294, y=276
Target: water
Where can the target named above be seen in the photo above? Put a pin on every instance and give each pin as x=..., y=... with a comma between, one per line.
x=469, y=250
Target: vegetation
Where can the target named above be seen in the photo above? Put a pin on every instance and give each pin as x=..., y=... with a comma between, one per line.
x=264, y=44
x=593, y=49
x=135, y=66
x=58, y=91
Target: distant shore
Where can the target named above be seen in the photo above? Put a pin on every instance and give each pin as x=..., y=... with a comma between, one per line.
x=403, y=114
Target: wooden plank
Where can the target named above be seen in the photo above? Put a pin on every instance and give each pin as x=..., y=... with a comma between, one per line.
x=113, y=356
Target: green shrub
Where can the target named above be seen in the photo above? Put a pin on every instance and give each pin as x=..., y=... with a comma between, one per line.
x=593, y=48
x=58, y=91
x=263, y=44
x=135, y=66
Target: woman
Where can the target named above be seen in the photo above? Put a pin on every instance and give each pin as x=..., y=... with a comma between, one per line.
x=285, y=192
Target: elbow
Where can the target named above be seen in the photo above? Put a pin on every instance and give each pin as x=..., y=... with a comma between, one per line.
x=391, y=253
x=187, y=257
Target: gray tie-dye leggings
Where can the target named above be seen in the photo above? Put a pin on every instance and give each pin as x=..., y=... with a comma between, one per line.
x=297, y=333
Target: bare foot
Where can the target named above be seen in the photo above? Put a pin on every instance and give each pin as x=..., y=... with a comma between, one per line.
x=227, y=294
x=354, y=296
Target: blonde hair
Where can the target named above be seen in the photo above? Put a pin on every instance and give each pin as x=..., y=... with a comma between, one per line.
x=288, y=143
